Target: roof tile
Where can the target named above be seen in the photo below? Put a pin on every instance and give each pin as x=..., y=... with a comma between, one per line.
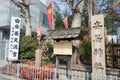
x=71, y=33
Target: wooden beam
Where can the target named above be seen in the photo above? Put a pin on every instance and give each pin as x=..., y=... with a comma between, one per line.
x=116, y=4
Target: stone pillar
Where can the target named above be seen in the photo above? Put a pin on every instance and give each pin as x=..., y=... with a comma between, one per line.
x=38, y=57
x=98, y=47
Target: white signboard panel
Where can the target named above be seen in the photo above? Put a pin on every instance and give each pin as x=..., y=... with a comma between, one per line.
x=98, y=45
x=14, y=38
x=62, y=48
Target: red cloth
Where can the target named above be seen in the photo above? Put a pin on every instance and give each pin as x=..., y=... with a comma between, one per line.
x=39, y=33
x=66, y=22
x=49, y=13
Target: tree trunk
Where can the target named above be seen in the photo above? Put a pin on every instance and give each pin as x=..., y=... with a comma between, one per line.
x=76, y=22
x=28, y=30
x=89, y=8
x=95, y=11
x=25, y=12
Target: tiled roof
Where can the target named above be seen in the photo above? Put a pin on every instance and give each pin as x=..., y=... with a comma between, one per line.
x=67, y=34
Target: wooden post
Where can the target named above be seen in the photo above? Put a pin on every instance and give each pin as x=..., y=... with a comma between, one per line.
x=57, y=67
x=69, y=67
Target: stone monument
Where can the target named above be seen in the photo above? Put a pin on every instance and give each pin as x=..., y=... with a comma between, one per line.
x=98, y=47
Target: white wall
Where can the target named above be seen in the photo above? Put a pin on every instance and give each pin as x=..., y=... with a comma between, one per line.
x=8, y=9
x=4, y=10
x=118, y=30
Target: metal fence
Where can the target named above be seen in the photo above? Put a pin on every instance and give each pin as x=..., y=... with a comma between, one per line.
x=48, y=72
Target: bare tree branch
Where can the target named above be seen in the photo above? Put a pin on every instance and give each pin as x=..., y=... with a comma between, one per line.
x=78, y=4
x=116, y=4
x=102, y=4
x=18, y=4
x=70, y=4
x=64, y=0
x=25, y=12
x=73, y=7
x=76, y=7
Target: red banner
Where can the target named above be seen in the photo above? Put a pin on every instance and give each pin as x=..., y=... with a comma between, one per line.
x=49, y=12
x=66, y=22
x=39, y=33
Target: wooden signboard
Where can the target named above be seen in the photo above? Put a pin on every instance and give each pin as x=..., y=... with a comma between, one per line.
x=62, y=47
x=98, y=46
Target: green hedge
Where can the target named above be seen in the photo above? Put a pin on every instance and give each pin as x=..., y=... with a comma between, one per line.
x=85, y=51
x=28, y=45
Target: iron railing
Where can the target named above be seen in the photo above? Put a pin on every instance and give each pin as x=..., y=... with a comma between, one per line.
x=49, y=72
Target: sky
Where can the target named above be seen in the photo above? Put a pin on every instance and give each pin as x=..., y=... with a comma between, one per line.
x=63, y=6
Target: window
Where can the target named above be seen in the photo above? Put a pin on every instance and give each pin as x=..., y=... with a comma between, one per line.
x=45, y=21
x=1, y=34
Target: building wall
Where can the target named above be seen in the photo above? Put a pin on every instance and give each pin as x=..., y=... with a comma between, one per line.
x=45, y=2
x=4, y=10
x=8, y=9
x=39, y=16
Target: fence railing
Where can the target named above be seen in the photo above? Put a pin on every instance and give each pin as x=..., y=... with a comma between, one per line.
x=48, y=72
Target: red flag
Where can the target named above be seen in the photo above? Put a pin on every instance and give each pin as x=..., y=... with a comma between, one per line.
x=66, y=22
x=49, y=12
x=39, y=33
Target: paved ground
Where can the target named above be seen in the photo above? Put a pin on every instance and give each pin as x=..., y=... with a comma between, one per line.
x=8, y=77
x=2, y=63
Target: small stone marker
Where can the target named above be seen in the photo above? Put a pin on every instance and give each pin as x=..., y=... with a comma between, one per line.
x=38, y=57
